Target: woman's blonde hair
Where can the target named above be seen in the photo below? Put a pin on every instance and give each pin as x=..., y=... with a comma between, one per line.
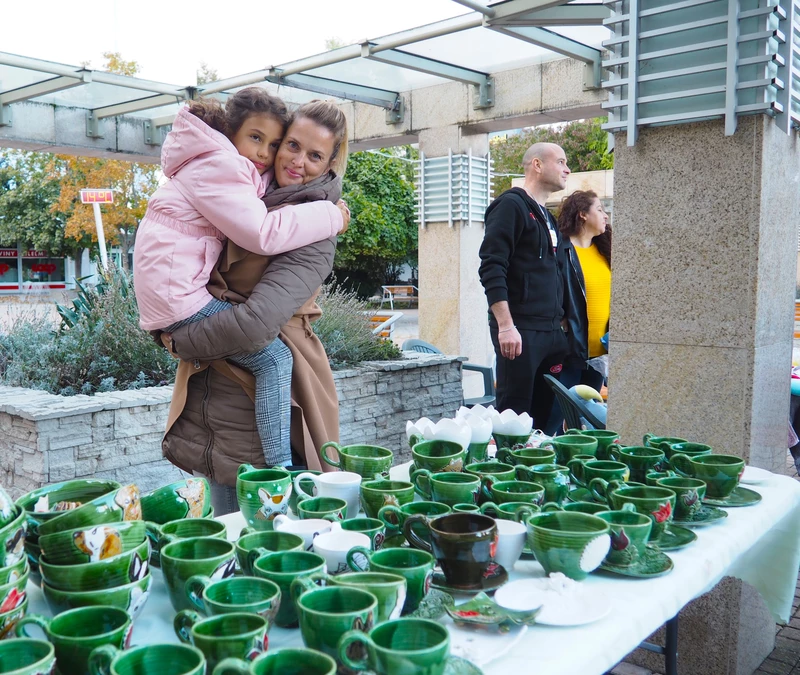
x=327, y=114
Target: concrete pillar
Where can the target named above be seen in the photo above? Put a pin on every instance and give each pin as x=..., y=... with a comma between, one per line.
x=703, y=278
x=452, y=306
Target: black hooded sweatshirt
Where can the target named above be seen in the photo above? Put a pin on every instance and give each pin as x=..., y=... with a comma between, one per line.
x=518, y=263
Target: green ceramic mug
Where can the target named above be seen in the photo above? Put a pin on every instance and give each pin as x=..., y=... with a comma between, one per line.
x=389, y=590
x=438, y=455
x=493, y=468
x=518, y=511
x=656, y=502
x=368, y=461
x=582, y=471
x=629, y=532
x=652, y=477
x=162, y=659
x=374, y=528
x=328, y=508
x=657, y=441
x=326, y=614
x=262, y=494
x=113, y=507
x=185, y=558
x=447, y=488
x=188, y=498
x=720, y=473
x=91, y=544
x=378, y=493
x=689, y=494
x=282, y=569
x=235, y=595
x=554, y=478
x=237, y=635
x=466, y=508
x=569, y=445
x=394, y=517
x=184, y=529
x=253, y=545
x=416, y=646
x=687, y=448
x=526, y=456
x=578, y=507
x=571, y=543
x=605, y=438
x=512, y=491
x=27, y=657
x=75, y=634
x=639, y=459
x=307, y=484
x=281, y=662
x=601, y=489
x=415, y=566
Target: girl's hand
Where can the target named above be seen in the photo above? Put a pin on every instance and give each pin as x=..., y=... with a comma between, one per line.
x=345, y=215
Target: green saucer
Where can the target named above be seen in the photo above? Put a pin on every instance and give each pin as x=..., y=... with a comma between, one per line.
x=740, y=496
x=652, y=563
x=707, y=515
x=455, y=665
x=582, y=495
x=673, y=538
x=484, y=612
x=433, y=606
x=488, y=584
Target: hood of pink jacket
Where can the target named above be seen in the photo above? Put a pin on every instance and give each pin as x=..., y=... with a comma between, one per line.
x=192, y=138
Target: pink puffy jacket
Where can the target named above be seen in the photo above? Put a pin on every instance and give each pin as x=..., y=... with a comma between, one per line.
x=213, y=193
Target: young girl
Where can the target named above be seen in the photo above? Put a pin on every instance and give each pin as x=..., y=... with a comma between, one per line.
x=216, y=182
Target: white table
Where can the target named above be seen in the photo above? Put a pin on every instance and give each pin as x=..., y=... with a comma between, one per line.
x=758, y=544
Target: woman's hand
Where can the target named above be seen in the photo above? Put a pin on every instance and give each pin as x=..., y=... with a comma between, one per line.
x=342, y=206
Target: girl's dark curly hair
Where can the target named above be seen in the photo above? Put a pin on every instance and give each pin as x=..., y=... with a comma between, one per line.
x=570, y=222
x=228, y=119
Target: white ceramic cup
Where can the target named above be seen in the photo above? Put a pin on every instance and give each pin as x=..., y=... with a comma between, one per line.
x=308, y=529
x=334, y=545
x=510, y=542
x=342, y=484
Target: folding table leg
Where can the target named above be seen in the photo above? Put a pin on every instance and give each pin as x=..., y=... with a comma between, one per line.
x=671, y=647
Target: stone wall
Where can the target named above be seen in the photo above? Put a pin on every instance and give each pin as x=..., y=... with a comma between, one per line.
x=46, y=438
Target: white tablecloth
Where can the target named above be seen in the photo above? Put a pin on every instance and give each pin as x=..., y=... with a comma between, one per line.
x=759, y=544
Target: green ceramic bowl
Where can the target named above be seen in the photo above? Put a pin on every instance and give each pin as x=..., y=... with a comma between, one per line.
x=27, y=657
x=32, y=553
x=568, y=542
x=378, y=493
x=38, y=510
x=113, y=507
x=12, y=595
x=8, y=620
x=83, y=545
x=188, y=498
x=130, y=597
x=117, y=570
x=13, y=572
x=12, y=539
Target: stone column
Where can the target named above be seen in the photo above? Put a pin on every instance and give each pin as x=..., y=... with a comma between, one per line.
x=703, y=279
x=452, y=306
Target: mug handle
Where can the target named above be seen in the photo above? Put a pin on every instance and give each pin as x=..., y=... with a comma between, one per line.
x=195, y=585
x=385, y=511
x=255, y=554
x=334, y=517
x=573, y=431
x=101, y=658
x=646, y=439
x=627, y=506
x=599, y=489
x=165, y=539
x=302, y=584
x=484, y=491
x=301, y=493
x=545, y=508
x=576, y=472
x=324, y=455
x=504, y=455
x=243, y=468
x=522, y=472
x=350, y=638
x=522, y=514
x=415, y=476
x=352, y=563
x=247, y=530
x=183, y=622
x=490, y=506
x=42, y=621
x=413, y=439
x=614, y=452
x=411, y=536
x=681, y=463
x=232, y=666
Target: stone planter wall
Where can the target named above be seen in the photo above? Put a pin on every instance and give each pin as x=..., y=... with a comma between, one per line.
x=46, y=438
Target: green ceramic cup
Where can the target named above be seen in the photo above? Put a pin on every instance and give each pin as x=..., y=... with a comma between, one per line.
x=281, y=662
x=577, y=507
x=163, y=659
x=656, y=502
x=250, y=547
x=186, y=558
x=416, y=646
x=554, y=478
x=328, y=613
x=84, y=545
x=378, y=493
x=374, y=528
x=75, y=634
x=12, y=538
x=512, y=491
x=389, y=590
x=328, y=508
x=237, y=635
x=601, y=489
x=583, y=471
x=689, y=494
x=368, y=461
x=187, y=498
x=629, y=532
x=282, y=569
x=639, y=459
x=656, y=441
x=509, y=440
x=605, y=437
x=493, y=468
x=27, y=657
x=113, y=507
x=415, y=566
x=447, y=488
x=652, y=477
x=526, y=456
x=235, y=595
x=517, y=511
x=394, y=517
x=438, y=455
x=110, y=572
x=720, y=473
x=689, y=449
x=161, y=535
x=571, y=543
x=130, y=597
x=477, y=452
x=262, y=494
x=306, y=483
x=569, y=445
x=466, y=508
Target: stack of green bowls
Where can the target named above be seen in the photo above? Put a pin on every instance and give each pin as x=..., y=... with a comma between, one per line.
x=14, y=568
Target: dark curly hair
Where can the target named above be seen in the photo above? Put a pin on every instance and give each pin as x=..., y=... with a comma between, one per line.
x=228, y=119
x=570, y=222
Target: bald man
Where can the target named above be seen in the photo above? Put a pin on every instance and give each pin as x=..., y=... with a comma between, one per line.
x=523, y=267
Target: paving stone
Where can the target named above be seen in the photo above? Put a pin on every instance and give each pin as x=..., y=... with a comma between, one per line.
x=791, y=633
x=775, y=667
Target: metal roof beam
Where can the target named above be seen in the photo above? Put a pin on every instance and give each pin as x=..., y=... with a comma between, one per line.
x=476, y=6
x=505, y=11
x=135, y=106
x=564, y=15
x=322, y=85
x=50, y=86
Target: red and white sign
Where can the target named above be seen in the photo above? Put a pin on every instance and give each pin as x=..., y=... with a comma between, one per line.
x=97, y=196
x=8, y=253
x=33, y=253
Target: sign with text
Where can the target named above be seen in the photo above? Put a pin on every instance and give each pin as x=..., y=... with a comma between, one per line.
x=33, y=253
x=8, y=253
x=97, y=196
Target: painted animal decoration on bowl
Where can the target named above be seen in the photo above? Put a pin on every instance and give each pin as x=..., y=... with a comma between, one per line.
x=273, y=505
x=98, y=543
x=5, y=506
x=43, y=505
x=15, y=547
x=194, y=493
x=127, y=498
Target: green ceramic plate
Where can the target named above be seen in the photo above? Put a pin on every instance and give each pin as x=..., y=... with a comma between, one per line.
x=673, y=538
x=487, y=585
x=433, y=605
x=652, y=563
x=483, y=611
x=741, y=496
x=707, y=515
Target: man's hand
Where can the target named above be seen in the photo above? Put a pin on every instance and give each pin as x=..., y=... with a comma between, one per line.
x=342, y=206
x=510, y=342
